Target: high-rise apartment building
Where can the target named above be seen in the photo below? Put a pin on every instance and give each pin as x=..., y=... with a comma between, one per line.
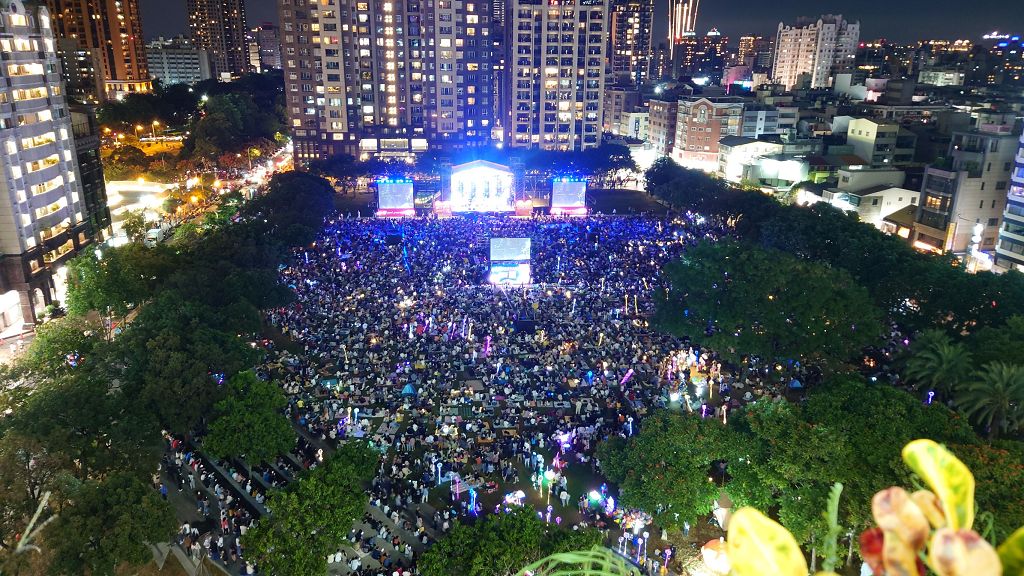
x=817, y=49
x=177, y=61
x=218, y=26
x=264, y=48
x=557, y=54
x=86, y=131
x=112, y=31
x=1010, y=250
x=631, y=42
x=387, y=78
x=43, y=218
x=754, y=51
x=745, y=49
x=81, y=69
x=702, y=56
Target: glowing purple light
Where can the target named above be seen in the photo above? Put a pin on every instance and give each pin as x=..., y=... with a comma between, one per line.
x=626, y=378
x=931, y=396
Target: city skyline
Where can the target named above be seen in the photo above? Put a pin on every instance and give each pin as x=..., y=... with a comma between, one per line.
x=904, y=22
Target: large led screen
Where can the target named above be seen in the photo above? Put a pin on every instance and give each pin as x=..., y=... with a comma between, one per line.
x=566, y=194
x=510, y=249
x=394, y=194
x=482, y=189
x=510, y=273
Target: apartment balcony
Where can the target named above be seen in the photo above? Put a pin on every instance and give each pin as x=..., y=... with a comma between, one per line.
x=56, y=236
x=59, y=253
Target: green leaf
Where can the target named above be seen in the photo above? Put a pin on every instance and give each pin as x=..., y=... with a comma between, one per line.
x=947, y=476
x=1011, y=554
x=758, y=545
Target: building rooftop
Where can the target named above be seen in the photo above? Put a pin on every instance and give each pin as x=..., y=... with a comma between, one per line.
x=905, y=217
x=869, y=190
x=733, y=141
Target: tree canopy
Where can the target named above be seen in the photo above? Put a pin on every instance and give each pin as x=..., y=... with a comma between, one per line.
x=312, y=516
x=785, y=457
x=740, y=299
x=110, y=521
x=501, y=544
x=250, y=421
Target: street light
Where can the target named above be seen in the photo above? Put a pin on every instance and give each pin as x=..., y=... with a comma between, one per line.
x=155, y=124
x=137, y=128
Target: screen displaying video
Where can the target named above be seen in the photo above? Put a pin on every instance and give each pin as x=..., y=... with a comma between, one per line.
x=394, y=194
x=566, y=194
x=482, y=189
x=510, y=273
x=517, y=249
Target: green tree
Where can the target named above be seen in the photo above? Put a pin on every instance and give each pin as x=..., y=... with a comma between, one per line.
x=847, y=431
x=1003, y=343
x=27, y=469
x=343, y=168
x=110, y=522
x=312, y=516
x=663, y=171
x=937, y=363
x=93, y=424
x=249, y=421
x=60, y=345
x=134, y=225
x=186, y=233
x=995, y=398
x=117, y=280
x=739, y=299
x=501, y=544
x=666, y=466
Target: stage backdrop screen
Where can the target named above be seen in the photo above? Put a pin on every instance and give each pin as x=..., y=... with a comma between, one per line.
x=568, y=194
x=394, y=195
x=510, y=249
x=482, y=189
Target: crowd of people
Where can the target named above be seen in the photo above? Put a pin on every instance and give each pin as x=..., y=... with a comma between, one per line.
x=498, y=394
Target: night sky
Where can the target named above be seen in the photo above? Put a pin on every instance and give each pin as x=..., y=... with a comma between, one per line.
x=897, y=20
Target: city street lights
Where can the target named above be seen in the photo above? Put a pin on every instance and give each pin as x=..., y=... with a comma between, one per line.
x=137, y=128
x=155, y=124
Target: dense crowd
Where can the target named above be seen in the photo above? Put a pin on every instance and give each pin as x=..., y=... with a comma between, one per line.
x=476, y=387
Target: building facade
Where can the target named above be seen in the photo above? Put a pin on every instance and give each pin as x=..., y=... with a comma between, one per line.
x=631, y=41
x=264, y=48
x=177, y=61
x=968, y=189
x=618, y=102
x=880, y=142
x=86, y=132
x=81, y=70
x=1010, y=250
x=661, y=129
x=759, y=119
x=387, y=79
x=43, y=216
x=557, y=59
x=218, y=27
x=701, y=123
x=816, y=49
x=111, y=31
